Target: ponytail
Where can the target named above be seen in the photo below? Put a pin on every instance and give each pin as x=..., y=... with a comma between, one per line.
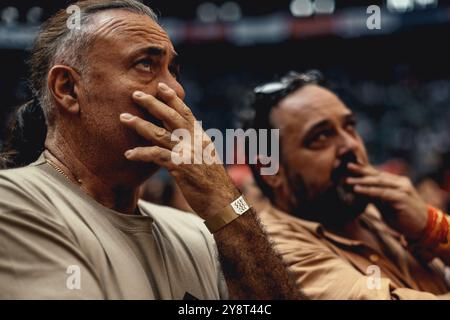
x=25, y=136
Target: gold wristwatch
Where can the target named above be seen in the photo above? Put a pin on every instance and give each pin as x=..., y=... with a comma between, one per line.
x=231, y=212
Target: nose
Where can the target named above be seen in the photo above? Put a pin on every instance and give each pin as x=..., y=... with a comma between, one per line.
x=348, y=143
x=173, y=83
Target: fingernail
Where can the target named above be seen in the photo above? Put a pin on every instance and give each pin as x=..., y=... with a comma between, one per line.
x=163, y=86
x=138, y=94
x=128, y=153
x=126, y=116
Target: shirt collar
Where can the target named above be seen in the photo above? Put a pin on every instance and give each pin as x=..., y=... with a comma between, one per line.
x=371, y=217
x=42, y=163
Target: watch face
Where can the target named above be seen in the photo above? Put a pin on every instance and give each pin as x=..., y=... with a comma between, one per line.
x=240, y=205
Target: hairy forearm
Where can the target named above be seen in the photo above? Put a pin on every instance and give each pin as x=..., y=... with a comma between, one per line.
x=252, y=269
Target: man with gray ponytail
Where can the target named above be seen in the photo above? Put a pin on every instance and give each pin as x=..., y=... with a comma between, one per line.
x=71, y=225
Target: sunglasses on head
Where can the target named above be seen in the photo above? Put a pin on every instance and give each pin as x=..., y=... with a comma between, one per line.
x=274, y=91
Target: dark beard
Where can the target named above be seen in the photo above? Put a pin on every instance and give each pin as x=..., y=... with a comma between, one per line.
x=333, y=207
x=336, y=205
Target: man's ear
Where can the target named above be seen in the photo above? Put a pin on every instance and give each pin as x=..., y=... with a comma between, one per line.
x=63, y=83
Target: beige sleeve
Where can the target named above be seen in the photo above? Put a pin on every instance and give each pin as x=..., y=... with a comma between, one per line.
x=40, y=260
x=321, y=274
x=214, y=254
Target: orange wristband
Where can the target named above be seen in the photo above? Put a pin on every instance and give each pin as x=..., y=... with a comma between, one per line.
x=437, y=229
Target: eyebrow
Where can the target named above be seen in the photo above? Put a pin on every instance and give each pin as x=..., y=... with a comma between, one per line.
x=155, y=51
x=317, y=126
x=325, y=123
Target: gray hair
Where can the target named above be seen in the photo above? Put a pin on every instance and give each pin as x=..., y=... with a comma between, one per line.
x=57, y=43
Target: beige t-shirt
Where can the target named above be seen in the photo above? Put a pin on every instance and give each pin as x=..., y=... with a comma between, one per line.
x=58, y=243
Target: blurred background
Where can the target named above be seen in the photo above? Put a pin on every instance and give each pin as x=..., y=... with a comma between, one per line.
x=396, y=78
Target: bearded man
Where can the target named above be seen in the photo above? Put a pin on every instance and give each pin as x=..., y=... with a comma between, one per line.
x=345, y=229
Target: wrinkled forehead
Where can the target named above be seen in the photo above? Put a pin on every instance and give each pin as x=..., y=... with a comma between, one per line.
x=119, y=28
x=308, y=105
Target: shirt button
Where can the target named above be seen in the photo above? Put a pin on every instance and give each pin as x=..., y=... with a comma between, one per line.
x=374, y=258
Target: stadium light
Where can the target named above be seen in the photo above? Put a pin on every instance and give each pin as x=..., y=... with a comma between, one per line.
x=207, y=12
x=34, y=15
x=230, y=12
x=301, y=8
x=324, y=6
x=400, y=5
x=10, y=16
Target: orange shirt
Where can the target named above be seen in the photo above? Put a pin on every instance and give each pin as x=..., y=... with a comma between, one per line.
x=329, y=266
